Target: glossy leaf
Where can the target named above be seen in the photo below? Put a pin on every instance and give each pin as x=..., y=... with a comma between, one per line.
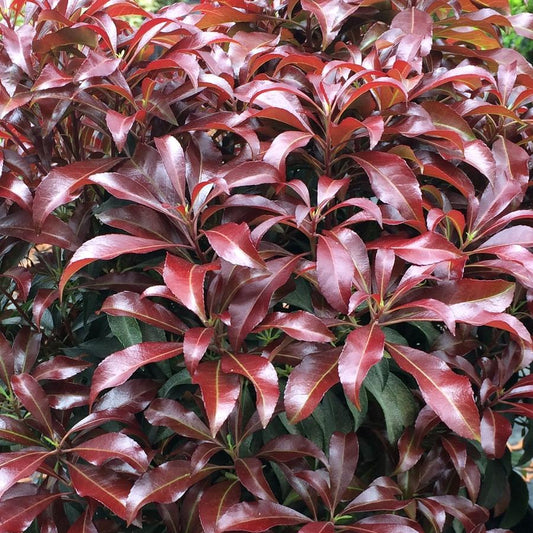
x=17, y=431
x=258, y=516
x=220, y=392
x=59, y=368
x=343, y=459
x=308, y=383
x=18, y=465
x=215, y=501
x=448, y=394
x=233, y=243
x=17, y=514
x=299, y=325
x=116, y=368
x=495, y=433
x=250, y=473
x=262, y=374
x=362, y=349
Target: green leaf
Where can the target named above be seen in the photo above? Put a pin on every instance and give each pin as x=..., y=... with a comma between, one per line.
x=396, y=401
x=519, y=502
x=126, y=329
x=300, y=297
x=493, y=485
x=359, y=415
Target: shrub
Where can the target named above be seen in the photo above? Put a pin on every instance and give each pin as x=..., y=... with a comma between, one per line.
x=264, y=266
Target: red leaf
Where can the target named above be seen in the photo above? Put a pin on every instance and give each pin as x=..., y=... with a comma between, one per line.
x=447, y=393
x=308, y=383
x=195, y=343
x=129, y=303
x=495, y=432
x=263, y=376
x=163, y=412
x=427, y=249
x=215, y=501
x=25, y=350
x=362, y=349
x=14, y=189
x=42, y=301
x=7, y=360
x=63, y=184
x=18, y=465
x=23, y=278
x=258, y=516
x=33, y=398
x=101, y=417
x=335, y=272
x=17, y=431
x=251, y=302
x=59, y=367
x=84, y=524
x=250, y=473
x=104, y=485
x=220, y=392
x=343, y=459
x=164, y=484
x=300, y=325
x=394, y=183
x=286, y=448
x=18, y=45
x=186, y=281
x=318, y=527
x=282, y=145
x=119, y=126
x=17, y=514
x=108, y=247
x=116, y=368
x=107, y=446
x=134, y=396
x=464, y=465
x=469, y=514
x=174, y=162
x=233, y=243
x=385, y=523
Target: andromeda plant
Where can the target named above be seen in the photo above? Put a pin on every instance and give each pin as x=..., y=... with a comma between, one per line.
x=265, y=266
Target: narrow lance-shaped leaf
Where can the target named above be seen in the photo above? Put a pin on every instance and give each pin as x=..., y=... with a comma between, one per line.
x=495, y=432
x=34, y=399
x=17, y=431
x=108, y=247
x=362, y=349
x=287, y=448
x=18, y=465
x=17, y=514
x=343, y=459
x=308, y=383
x=172, y=414
x=299, y=325
x=196, y=341
x=215, y=501
x=449, y=394
x=258, y=516
x=104, y=485
x=233, y=243
x=250, y=473
x=186, y=281
x=262, y=374
x=116, y=368
x=109, y=446
x=220, y=392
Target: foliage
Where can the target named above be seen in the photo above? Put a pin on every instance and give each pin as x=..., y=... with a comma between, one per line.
x=265, y=266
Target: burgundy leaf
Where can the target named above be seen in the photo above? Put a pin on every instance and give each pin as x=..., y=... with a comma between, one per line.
x=343, y=458
x=119, y=126
x=129, y=303
x=23, y=278
x=164, y=484
x=25, y=350
x=233, y=243
x=174, y=161
x=308, y=383
x=495, y=432
x=134, y=396
x=7, y=360
x=18, y=465
x=282, y=145
x=195, y=343
x=17, y=431
x=116, y=368
x=220, y=392
x=107, y=446
x=447, y=393
x=186, y=281
x=318, y=527
x=362, y=349
x=18, y=45
x=464, y=465
x=335, y=272
x=164, y=412
x=104, y=485
x=42, y=301
x=101, y=417
x=108, y=247
x=262, y=374
x=16, y=190
x=215, y=501
x=385, y=523
x=59, y=367
x=251, y=302
x=63, y=185
x=286, y=448
x=17, y=514
x=33, y=398
x=250, y=473
x=381, y=495
x=300, y=325
x=84, y=524
x=394, y=183
x=258, y=516
x=469, y=514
